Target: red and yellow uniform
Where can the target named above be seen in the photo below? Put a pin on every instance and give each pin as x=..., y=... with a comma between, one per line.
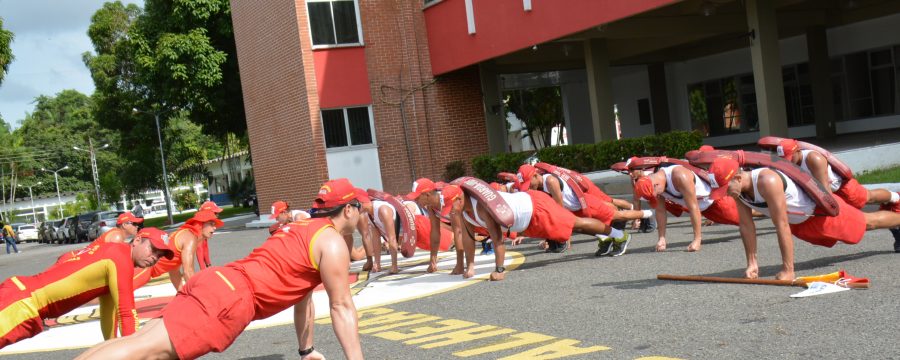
x=423, y=234
x=99, y=240
x=103, y=270
x=272, y=278
x=163, y=266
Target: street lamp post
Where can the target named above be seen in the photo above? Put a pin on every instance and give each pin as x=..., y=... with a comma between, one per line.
x=56, y=179
x=31, y=195
x=162, y=157
x=91, y=149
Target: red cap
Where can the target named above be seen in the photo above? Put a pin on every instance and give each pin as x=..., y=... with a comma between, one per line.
x=643, y=187
x=450, y=193
x=707, y=148
x=128, y=216
x=211, y=206
x=423, y=185
x=334, y=193
x=786, y=148
x=721, y=171
x=279, y=207
x=203, y=216
x=362, y=195
x=159, y=239
x=524, y=175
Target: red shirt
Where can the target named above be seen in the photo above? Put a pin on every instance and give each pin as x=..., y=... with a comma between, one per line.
x=104, y=270
x=282, y=271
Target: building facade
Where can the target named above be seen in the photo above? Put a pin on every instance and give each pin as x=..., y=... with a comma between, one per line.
x=385, y=91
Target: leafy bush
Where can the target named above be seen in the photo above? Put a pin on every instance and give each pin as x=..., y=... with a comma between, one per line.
x=592, y=157
x=186, y=199
x=454, y=169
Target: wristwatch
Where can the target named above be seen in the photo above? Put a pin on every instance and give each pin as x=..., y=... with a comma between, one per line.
x=306, y=352
x=500, y=269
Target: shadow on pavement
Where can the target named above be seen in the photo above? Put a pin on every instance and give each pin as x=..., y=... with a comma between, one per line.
x=266, y=357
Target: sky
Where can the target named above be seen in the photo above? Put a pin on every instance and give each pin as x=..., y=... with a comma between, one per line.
x=50, y=37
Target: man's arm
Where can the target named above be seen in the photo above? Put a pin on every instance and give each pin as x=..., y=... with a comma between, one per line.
x=188, y=251
x=818, y=166
x=304, y=315
x=121, y=292
x=771, y=188
x=496, y=234
x=661, y=219
x=748, y=237
x=554, y=189
x=683, y=180
x=334, y=262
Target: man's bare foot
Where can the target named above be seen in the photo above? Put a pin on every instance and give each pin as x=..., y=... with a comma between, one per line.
x=394, y=269
x=569, y=244
x=432, y=266
x=785, y=275
x=368, y=266
x=469, y=273
x=661, y=246
x=752, y=272
x=543, y=245
x=495, y=276
x=707, y=223
x=694, y=246
x=457, y=270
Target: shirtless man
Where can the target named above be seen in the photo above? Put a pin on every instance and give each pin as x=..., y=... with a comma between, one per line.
x=683, y=187
x=185, y=242
x=792, y=210
x=535, y=215
x=565, y=197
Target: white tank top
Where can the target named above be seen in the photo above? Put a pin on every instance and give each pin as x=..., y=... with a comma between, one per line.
x=377, y=204
x=834, y=180
x=521, y=205
x=701, y=189
x=799, y=205
x=569, y=199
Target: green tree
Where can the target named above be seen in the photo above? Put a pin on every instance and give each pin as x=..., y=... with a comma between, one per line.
x=540, y=109
x=6, y=55
x=176, y=59
x=186, y=199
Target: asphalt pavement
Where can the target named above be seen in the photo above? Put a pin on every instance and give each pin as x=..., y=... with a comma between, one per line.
x=558, y=305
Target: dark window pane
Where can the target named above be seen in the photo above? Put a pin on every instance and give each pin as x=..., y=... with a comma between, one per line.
x=644, y=111
x=345, y=22
x=335, y=130
x=883, y=91
x=360, y=131
x=320, y=23
x=837, y=90
x=857, y=68
x=881, y=57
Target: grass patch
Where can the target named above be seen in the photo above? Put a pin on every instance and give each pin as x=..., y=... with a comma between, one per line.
x=888, y=175
x=226, y=213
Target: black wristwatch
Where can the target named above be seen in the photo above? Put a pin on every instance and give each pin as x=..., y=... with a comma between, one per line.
x=306, y=352
x=500, y=269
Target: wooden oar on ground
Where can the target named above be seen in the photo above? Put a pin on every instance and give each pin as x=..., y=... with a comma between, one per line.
x=716, y=279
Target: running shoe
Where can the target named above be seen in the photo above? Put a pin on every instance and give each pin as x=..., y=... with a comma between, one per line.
x=896, y=232
x=895, y=207
x=604, y=247
x=620, y=245
x=487, y=247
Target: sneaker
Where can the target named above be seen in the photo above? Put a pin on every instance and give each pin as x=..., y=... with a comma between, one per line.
x=620, y=245
x=557, y=247
x=487, y=248
x=604, y=247
x=896, y=232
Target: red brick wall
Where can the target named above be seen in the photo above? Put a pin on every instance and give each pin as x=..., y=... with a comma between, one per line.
x=444, y=120
x=282, y=116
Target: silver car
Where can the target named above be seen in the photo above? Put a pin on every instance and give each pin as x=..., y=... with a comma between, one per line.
x=101, y=223
x=63, y=235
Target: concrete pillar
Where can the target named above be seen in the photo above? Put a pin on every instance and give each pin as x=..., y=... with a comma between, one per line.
x=820, y=81
x=494, y=117
x=603, y=117
x=659, y=98
x=767, y=68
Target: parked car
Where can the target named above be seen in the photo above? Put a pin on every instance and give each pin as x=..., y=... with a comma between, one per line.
x=15, y=227
x=27, y=232
x=64, y=234
x=102, y=222
x=53, y=231
x=82, y=224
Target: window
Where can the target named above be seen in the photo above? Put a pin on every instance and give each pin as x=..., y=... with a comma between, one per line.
x=865, y=84
x=334, y=22
x=644, y=111
x=347, y=127
x=723, y=106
